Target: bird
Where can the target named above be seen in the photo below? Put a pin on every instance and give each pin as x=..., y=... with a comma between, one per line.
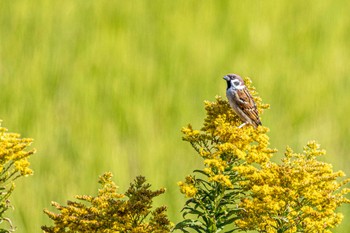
x=241, y=101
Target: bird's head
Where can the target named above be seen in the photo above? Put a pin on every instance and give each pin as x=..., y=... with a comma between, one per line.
x=234, y=81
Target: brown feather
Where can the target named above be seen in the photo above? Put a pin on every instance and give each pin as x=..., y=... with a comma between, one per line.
x=246, y=103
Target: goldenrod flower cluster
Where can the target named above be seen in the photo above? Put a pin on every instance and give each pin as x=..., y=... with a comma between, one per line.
x=188, y=187
x=13, y=155
x=240, y=188
x=299, y=195
x=13, y=164
x=222, y=144
x=111, y=211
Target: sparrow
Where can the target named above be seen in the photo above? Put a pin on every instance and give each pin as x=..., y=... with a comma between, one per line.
x=241, y=101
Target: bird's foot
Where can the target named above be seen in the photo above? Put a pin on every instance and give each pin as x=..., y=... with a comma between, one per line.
x=242, y=125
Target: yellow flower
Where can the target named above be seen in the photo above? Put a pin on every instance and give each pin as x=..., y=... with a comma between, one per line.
x=108, y=212
x=298, y=194
x=303, y=190
x=22, y=166
x=188, y=187
x=222, y=179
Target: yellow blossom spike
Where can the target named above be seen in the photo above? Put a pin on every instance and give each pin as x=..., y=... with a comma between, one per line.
x=14, y=155
x=239, y=185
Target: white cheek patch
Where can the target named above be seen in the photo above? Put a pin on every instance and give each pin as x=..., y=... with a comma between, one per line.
x=240, y=86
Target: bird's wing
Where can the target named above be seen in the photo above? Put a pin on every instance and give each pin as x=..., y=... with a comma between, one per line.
x=246, y=103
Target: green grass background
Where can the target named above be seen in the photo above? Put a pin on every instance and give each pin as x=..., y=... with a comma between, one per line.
x=107, y=85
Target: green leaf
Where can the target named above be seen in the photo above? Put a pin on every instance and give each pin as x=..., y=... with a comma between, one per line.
x=201, y=172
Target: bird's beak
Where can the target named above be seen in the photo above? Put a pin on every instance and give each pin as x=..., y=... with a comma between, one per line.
x=226, y=78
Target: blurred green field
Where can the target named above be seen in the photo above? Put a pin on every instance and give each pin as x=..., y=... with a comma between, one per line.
x=107, y=85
